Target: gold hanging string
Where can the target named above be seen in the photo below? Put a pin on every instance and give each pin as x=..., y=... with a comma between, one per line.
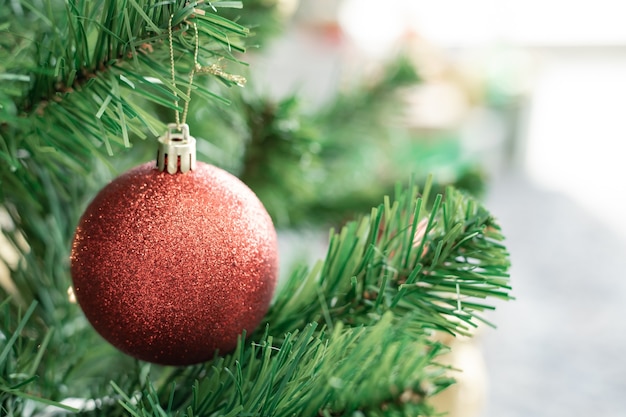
x=195, y=66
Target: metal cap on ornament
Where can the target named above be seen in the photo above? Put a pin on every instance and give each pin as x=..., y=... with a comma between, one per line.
x=177, y=150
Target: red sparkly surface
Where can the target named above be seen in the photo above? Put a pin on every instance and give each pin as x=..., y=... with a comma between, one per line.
x=169, y=268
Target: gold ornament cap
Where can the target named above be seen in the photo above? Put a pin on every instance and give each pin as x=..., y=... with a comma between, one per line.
x=177, y=150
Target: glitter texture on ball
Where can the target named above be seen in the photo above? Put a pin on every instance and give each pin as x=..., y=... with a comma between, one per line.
x=169, y=268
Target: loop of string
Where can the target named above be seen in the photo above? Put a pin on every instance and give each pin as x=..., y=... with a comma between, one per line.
x=191, y=74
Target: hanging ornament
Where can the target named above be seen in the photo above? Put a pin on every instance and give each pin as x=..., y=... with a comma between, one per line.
x=173, y=260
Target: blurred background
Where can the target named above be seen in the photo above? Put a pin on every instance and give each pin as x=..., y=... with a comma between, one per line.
x=519, y=102
x=530, y=94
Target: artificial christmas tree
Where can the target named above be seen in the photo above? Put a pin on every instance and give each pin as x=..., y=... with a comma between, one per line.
x=87, y=88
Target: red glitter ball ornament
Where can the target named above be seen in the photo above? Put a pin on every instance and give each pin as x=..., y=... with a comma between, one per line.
x=170, y=267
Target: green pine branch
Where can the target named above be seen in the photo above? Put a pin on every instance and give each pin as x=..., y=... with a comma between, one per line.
x=81, y=80
x=310, y=372
x=436, y=264
x=90, y=68
x=20, y=358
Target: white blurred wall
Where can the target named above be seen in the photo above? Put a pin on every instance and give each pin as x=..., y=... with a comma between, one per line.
x=576, y=129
